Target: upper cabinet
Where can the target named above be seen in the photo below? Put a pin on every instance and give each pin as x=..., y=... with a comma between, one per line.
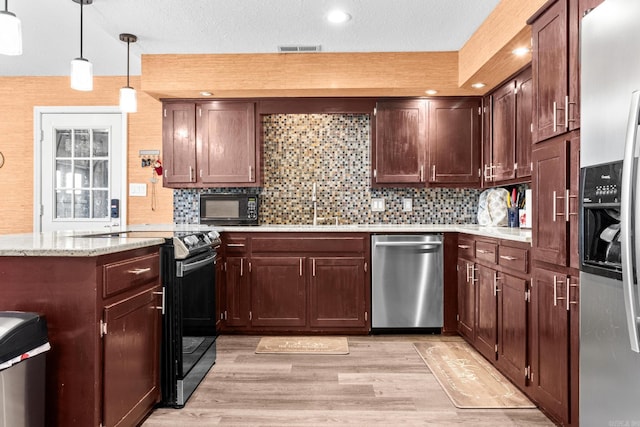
x=507, y=134
x=420, y=142
x=400, y=142
x=454, y=140
x=556, y=93
x=210, y=144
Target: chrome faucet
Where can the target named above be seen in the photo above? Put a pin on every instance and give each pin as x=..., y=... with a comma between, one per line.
x=314, y=199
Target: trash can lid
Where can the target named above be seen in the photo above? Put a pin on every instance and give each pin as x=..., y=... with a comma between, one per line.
x=20, y=332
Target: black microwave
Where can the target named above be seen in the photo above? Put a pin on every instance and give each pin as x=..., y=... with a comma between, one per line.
x=229, y=209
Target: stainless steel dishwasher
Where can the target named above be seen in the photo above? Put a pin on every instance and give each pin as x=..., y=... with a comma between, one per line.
x=407, y=285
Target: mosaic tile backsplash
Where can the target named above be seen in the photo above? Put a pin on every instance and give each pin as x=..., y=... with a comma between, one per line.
x=332, y=151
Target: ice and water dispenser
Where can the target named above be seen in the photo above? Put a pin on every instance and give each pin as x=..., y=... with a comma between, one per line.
x=600, y=238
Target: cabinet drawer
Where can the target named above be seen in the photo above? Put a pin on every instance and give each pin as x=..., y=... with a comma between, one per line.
x=127, y=274
x=487, y=251
x=308, y=244
x=466, y=248
x=514, y=258
x=236, y=245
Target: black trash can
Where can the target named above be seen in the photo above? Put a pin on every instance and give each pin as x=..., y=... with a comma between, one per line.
x=23, y=344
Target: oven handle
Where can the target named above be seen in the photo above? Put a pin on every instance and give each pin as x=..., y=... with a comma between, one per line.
x=183, y=268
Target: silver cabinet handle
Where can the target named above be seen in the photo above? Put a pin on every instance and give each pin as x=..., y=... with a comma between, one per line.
x=464, y=246
x=250, y=173
x=313, y=267
x=508, y=258
x=556, y=298
x=495, y=284
x=555, y=117
x=138, y=271
x=468, y=275
x=241, y=267
x=628, y=224
x=433, y=172
x=566, y=112
x=554, y=206
x=484, y=251
x=421, y=173
x=301, y=267
x=473, y=274
x=190, y=173
x=161, y=308
x=399, y=244
x=235, y=245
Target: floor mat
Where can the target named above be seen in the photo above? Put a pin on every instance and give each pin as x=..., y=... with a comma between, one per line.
x=304, y=345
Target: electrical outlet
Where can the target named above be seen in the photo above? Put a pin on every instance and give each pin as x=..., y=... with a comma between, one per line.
x=377, y=204
x=136, y=189
x=407, y=205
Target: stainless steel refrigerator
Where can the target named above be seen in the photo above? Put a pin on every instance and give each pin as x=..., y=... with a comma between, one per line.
x=610, y=244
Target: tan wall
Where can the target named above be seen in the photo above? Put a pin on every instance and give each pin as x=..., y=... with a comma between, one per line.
x=19, y=96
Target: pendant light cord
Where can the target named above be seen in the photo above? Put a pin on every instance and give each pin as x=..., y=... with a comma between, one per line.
x=128, y=42
x=6, y=5
x=81, y=20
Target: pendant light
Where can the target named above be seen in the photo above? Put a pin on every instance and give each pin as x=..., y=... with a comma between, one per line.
x=10, y=32
x=128, y=99
x=81, y=68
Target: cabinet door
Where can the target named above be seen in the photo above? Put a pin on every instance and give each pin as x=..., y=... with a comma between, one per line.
x=550, y=72
x=466, y=298
x=550, y=342
x=550, y=225
x=236, y=292
x=512, y=327
x=131, y=358
x=179, y=144
x=337, y=293
x=487, y=144
x=400, y=141
x=504, y=132
x=221, y=294
x=454, y=140
x=278, y=291
x=226, y=143
x=486, y=312
x=524, y=110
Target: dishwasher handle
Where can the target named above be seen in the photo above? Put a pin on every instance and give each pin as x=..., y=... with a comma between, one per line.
x=408, y=244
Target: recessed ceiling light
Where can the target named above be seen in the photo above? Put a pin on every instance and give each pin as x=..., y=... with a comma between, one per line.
x=521, y=51
x=338, y=17
x=205, y=93
x=478, y=85
x=431, y=91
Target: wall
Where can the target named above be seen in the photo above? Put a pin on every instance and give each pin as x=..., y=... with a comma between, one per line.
x=332, y=150
x=19, y=96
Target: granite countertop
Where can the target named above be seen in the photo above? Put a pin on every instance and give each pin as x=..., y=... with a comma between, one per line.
x=90, y=243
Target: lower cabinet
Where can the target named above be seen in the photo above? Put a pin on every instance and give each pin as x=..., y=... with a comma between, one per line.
x=486, y=312
x=288, y=282
x=104, y=330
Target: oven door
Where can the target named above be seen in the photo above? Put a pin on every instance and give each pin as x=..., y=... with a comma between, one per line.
x=196, y=283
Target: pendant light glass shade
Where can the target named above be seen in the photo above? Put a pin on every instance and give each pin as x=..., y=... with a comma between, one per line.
x=81, y=68
x=128, y=100
x=81, y=74
x=10, y=33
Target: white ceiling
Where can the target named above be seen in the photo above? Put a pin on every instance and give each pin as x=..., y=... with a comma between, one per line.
x=51, y=29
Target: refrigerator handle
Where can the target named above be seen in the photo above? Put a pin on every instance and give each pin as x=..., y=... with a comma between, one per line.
x=629, y=239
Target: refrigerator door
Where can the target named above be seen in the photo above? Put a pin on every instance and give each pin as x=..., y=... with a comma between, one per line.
x=610, y=72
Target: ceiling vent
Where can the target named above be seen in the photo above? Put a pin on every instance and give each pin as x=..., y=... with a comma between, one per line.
x=299, y=48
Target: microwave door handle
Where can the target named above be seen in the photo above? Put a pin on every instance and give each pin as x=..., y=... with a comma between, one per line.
x=629, y=220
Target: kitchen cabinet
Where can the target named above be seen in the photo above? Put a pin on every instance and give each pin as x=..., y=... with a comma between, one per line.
x=278, y=291
x=400, y=142
x=497, y=273
x=555, y=32
x=555, y=200
x=454, y=127
x=304, y=282
x=334, y=300
x=104, y=329
x=421, y=142
x=466, y=287
x=509, y=146
x=551, y=338
x=210, y=144
x=236, y=282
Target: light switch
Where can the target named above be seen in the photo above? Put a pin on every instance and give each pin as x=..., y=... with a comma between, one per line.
x=137, y=189
x=407, y=205
x=377, y=204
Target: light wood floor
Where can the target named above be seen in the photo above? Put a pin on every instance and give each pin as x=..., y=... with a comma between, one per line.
x=381, y=382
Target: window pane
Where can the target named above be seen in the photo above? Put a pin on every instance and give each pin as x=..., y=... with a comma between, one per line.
x=101, y=143
x=63, y=204
x=63, y=143
x=100, y=204
x=64, y=178
x=81, y=143
x=81, y=204
x=101, y=173
x=81, y=174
